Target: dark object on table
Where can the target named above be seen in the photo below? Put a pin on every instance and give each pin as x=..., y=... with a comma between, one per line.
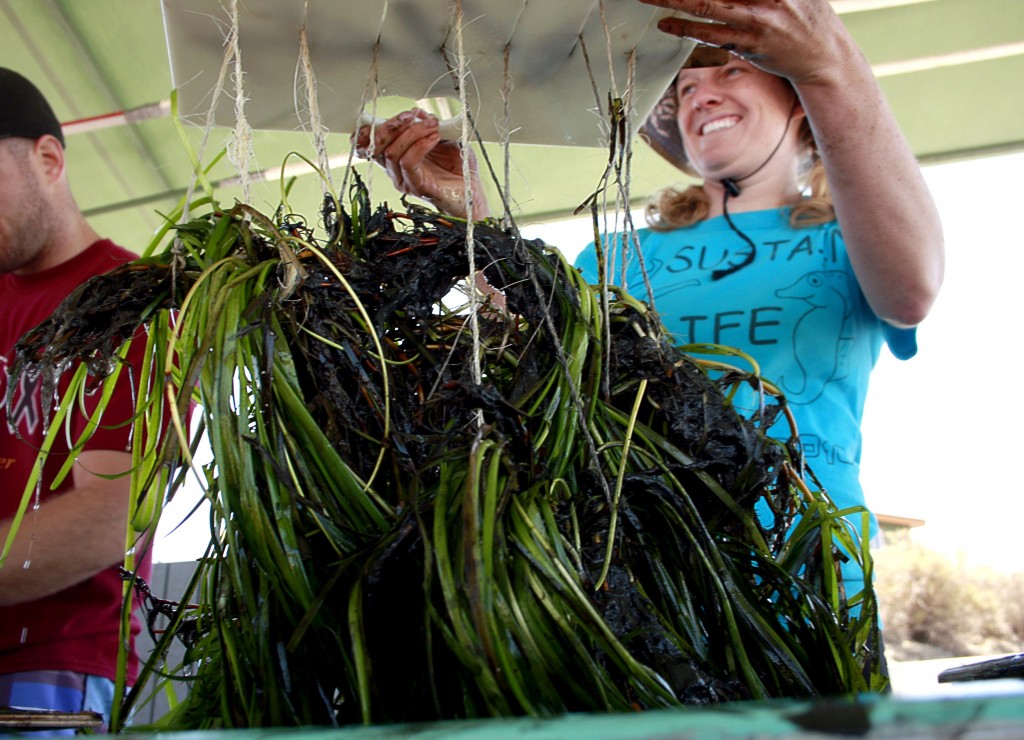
x=1011, y=666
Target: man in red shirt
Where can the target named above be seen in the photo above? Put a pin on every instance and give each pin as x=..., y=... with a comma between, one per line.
x=60, y=588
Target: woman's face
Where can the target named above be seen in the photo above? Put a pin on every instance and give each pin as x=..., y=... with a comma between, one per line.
x=732, y=117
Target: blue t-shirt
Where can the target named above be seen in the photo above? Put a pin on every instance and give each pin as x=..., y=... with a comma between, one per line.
x=796, y=308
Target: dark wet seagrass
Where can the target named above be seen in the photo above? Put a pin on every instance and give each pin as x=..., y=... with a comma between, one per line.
x=395, y=538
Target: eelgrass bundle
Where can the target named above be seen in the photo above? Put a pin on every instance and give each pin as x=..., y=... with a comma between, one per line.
x=392, y=541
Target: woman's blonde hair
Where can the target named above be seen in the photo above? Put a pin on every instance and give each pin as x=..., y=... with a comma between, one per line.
x=673, y=208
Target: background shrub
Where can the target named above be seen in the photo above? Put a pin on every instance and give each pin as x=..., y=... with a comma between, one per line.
x=933, y=607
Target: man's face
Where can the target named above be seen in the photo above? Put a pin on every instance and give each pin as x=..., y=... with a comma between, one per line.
x=23, y=217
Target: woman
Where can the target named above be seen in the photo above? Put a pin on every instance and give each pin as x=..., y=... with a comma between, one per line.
x=812, y=238
x=808, y=282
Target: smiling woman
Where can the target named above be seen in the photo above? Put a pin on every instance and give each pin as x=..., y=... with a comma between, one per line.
x=737, y=260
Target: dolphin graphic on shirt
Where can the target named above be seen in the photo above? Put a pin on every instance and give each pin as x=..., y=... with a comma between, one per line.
x=829, y=307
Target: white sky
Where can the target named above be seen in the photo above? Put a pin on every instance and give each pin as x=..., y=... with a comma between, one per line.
x=940, y=430
x=939, y=445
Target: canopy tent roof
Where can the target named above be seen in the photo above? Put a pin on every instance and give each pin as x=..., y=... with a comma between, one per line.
x=950, y=68
x=546, y=60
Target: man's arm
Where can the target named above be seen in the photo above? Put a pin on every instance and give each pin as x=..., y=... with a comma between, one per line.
x=73, y=536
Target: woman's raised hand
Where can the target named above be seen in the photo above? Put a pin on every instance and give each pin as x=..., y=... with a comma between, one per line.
x=800, y=40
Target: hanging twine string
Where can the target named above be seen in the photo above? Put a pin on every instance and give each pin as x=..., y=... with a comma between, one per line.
x=467, y=179
x=616, y=111
x=316, y=123
x=630, y=237
x=506, y=99
x=608, y=47
x=506, y=134
x=600, y=239
x=240, y=145
x=207, y=128
x=371, y=93
x=621, y=117
x=620, y=135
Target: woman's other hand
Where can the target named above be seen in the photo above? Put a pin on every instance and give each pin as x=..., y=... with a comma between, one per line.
x=420, y=162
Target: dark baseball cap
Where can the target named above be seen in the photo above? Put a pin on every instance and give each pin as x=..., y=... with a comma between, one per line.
x=24, y=111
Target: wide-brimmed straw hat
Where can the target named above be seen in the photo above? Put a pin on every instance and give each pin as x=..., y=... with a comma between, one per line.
x=661, y=129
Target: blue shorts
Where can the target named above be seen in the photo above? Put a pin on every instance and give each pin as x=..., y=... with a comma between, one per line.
x=63, y=691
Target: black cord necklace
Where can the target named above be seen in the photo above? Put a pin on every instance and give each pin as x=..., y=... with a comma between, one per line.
x=731, y=188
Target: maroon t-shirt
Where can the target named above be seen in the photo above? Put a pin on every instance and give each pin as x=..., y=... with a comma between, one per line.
x=77, y=628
